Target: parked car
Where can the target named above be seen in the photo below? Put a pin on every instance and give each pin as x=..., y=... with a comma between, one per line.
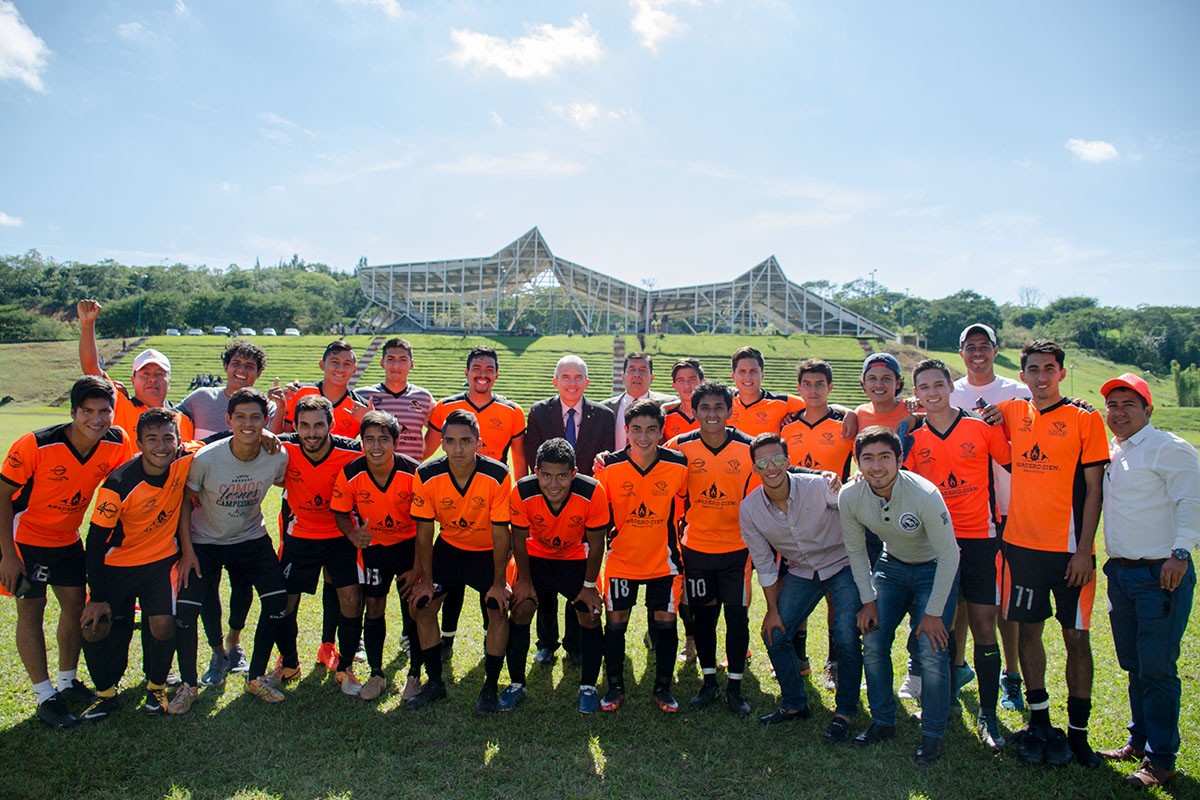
x=268, y=331
x=173, y=332
x=194, y=332
x=247, y=332
x=220, y=330
x=290, y=332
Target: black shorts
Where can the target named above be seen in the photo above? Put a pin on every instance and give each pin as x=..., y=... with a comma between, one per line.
x=382, y=563
x=453, y=566
x=1029, y=579
x=977, y=571
x=151, y=584
x=252, y=562
x=53, y=566
x=716, y=577
x=563, y=576
x=303, y=560
x=621, y=593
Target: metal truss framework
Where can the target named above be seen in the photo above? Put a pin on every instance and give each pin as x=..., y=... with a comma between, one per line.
x=525, y=286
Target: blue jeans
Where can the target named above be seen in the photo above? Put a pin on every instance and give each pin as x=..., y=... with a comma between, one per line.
x=796, y=600
x=901, y=589
x=1148, y=624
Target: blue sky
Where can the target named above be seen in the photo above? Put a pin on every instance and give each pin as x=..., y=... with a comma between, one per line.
x=945, y=145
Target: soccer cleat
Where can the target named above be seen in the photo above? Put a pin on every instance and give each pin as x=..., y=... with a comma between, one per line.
x=1031, y=744
x=1084, y=754
x=1149, y=774
x=929, y=751
x=666, y=701
x=613, y=697
x=589, y=700
x=348, y=682
x=830, y=675
x=1010, y=692
x=172, y=680
x=963, y=675
x=511, y=697
x=54, y=712
x=544, y=655
x=875, y=734
x=374, y=687
x=237, y=660
x=98, y=711
x=487, y=703
x=1058, y=751
x=264, y=689
x=156, y=701
x=181, y=703
x=412, y=687
x=911, y=688
x=328, y=656
x=736, y=703
x=688, y=654
x=707, y=695
x=218, y=665
x=988, y=728
x=77, y=693
x=282, y=675
x=430, y=692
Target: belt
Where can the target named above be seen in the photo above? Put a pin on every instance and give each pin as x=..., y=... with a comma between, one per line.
x=1140, y=562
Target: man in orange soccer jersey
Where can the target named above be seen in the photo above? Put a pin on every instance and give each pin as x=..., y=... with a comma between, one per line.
x=1059, y=455
x=559, y=519
x=131, y=549
x=715, y=559
x=377, y=487
x=46, y=484
x=646, y=485
x=151, y=377
x=954, y=450
x=756, y=410
x=686, y=375
x=882, y=382
x=468, y=495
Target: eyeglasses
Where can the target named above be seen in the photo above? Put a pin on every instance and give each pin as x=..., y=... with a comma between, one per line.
x=779, y=460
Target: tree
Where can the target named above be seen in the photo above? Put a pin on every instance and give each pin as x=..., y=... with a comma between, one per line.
x=946, y=317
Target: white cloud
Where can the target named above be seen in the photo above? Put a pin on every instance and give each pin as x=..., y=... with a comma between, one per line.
x=1093, y=151
x=10, y=222
x=585, y=114
x=180, y=8
x=517, y=164
x=283, y=128
x=652, y=23
x=496, y=119
x=538, y=54
x=22, y=52
x=390, y=7
x=135, y=32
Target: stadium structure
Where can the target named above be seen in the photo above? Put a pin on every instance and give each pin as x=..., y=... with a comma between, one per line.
x=524, y=288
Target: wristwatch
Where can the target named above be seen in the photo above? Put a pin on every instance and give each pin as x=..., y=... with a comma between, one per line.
x=1182, y=554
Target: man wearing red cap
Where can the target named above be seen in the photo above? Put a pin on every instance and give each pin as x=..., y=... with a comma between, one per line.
x=1151, y=525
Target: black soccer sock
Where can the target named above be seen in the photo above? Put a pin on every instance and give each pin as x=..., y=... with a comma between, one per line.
x=737, y=639
x=408, y=626
x=571, y=628
x=432, y=658
x=331, y=613
x=288, y=632
x=210, y=616
x=800, y=644
x=491, y=669
x=517, y=651
x=547, y=620
x=685, y=616
x=241, y=595
x=1079, y=711
x=120, y=636
x=987, y=669
x=374, y=631
x=98, y=656
x=452, y=604
x=614, y=652
x=1039, y=707
x=272, y=619
x=591, y=648
x=349, y=633
x=185, y=646
x=704, y=632
x=161, y=651
x=664, y=652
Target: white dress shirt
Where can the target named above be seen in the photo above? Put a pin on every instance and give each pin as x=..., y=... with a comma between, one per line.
x=625, y=402
x=578, y=414
x=1151, y=496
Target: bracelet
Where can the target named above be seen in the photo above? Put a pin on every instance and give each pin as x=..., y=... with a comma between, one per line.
x=589, y=584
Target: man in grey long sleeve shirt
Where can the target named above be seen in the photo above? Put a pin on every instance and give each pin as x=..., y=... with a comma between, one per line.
x=795, y=515
x=917, y=573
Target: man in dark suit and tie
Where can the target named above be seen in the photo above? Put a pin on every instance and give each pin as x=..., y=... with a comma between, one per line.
x=638, y=373
x=589, y=428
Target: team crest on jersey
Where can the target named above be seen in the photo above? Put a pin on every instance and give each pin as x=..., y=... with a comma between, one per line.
x=462, y=523
x=477, y=502
x=1035, y=454
x=713, y=493
x=952, y=482
x=404, y=498
x=733, y=466
x=968, y=449
x=660, y=488
x=107, y=510
x=1059, y=428
x=72, y=504
x=909, y=521
x=641, y=512
x=496, y=424
x=318, y=501
x=14, y=460
x=576, y=519
x=809, y=462
x=827, y=438
x=761, y=416
x=103, y=469
x=388, y=522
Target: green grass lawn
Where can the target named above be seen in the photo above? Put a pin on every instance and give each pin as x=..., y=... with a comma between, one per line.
x=321, y=744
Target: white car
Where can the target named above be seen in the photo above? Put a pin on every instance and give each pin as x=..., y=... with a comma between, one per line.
x=290, y=332
x=194, y=332
x=268, y=331
x=247, y=332
x=173, y=332
x=220, y=330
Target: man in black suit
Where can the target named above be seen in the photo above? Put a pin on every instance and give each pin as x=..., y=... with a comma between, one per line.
x=589, y=428
x=638, y=373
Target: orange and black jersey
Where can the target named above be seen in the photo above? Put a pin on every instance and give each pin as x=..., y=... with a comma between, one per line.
x=136, y=516
x=645, y=506
x=56, y=484
x=465, y=513
x=385, y=510
x=308, y=487
x=127, y=411
x=677, y=423
x=764, y=415
x=344, y=423
x=820, y=446
x=718, y=481
x=500, y=421
x=561, y=534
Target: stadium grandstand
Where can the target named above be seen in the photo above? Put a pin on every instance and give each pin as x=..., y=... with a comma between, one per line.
x=524, y=289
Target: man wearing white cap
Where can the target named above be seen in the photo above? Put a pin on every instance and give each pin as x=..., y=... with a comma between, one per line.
x=978, y=347
x=151, y=376
x=1151, y=526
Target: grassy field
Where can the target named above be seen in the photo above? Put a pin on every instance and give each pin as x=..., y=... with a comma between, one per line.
x=321, y=744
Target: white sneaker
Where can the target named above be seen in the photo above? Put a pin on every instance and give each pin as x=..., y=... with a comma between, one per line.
x=911, y=688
